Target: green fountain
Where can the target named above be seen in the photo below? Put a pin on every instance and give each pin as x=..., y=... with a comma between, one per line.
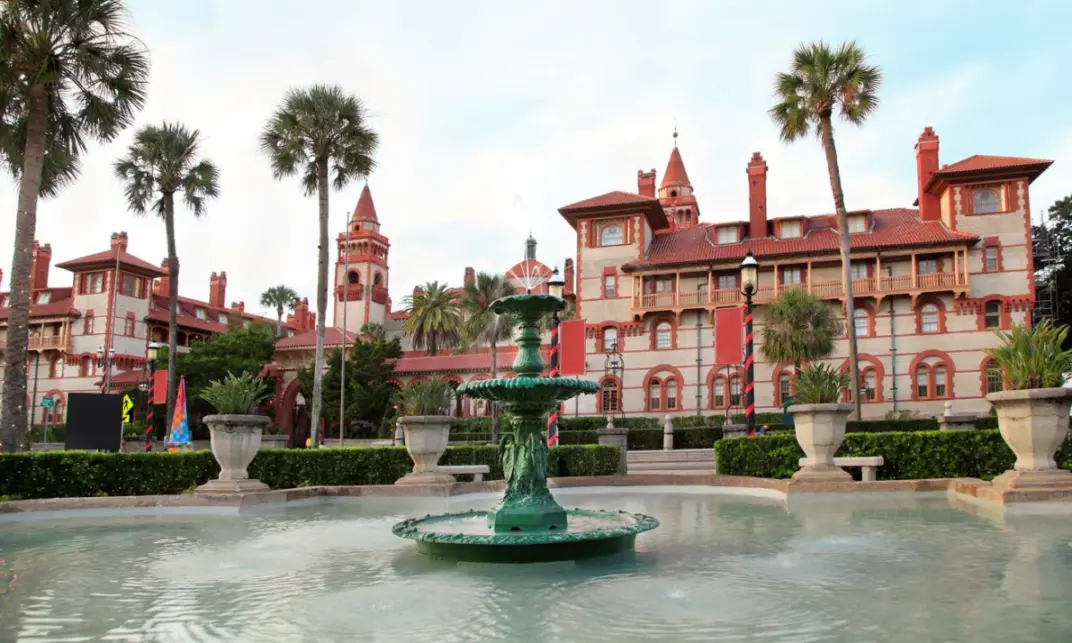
x=528, y=525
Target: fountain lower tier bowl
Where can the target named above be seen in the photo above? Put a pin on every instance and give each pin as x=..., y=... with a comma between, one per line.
x=524, y=390
x=467, y=537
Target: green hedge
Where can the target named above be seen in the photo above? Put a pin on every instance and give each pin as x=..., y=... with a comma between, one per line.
x=64, y=474
x=907, y=455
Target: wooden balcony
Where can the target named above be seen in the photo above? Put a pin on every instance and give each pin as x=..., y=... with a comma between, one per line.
x=877, y=287
x=353, y=292
x=42, y=342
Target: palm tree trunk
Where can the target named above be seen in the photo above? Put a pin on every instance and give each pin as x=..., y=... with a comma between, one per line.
x=13, y=425
x=827, y=133
x=173, y=308
x=432, y=343
x=279, y=320
x=321, y=299
x=496, y=428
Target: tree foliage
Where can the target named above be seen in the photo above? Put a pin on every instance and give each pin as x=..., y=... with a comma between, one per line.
x=1056, y=274
x=280, y=298
x=435, y=317
x=798, y=327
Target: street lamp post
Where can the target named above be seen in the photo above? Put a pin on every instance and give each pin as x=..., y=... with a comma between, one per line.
x=749, y=283
x=554, y=288
x=154, y=348
x=106, y=364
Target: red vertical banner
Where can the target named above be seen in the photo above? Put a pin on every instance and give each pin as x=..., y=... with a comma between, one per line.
x=160, y=386
x=571, y=347
x=729, y=335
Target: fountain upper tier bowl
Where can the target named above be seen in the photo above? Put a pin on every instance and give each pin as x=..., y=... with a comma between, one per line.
x=528, y=525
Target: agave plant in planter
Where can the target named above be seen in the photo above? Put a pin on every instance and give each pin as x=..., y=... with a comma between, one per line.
x=235, y=431
x=819, y=421
x=426, y=426
x=1033, y=410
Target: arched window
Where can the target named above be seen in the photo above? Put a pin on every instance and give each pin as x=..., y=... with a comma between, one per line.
x=663, y=335
x=992, y=314
x=940, y=383
x=87, y=323
x=377, y=280
x=995, y=381
x=986, y=201
x=868, y=385
x=671, y=394
x=609, y=396
x=655, y=392
x=735, y=391
x=673, y=193
x=862, y=321
x=929, y=318
x=933, y=373
x=718, y=393
x=923, y=382
x=610, y=339
x=353, y=278
x=785, y=387
x=611, y=235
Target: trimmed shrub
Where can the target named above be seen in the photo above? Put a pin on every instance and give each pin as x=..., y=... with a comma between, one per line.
x=907, y=455
x=65, y=474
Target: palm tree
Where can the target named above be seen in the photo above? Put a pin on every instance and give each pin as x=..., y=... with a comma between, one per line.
x=484, y=326
x=320, y=133
x=820, y=81
x=798, y=327
x=435, y=319
x=162, y=160
x=281, y=298
x=373, y=332
x=68, y=71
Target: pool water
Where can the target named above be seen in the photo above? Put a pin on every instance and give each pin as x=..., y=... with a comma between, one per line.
x=719, y=568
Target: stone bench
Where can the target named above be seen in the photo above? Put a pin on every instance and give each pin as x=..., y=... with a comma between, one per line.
x=868, y=466
x=478, y=471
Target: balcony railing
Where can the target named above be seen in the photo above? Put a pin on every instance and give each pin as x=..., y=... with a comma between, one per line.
x=41, y=342
x=355, y=292
x=379, y=295
x=901, y=284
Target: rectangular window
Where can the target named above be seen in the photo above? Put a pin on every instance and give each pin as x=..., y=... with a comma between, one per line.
x=44, y=297
x=928, y=266
x=87, y=324
x=200, y=313
x=870, y=392
x=653, y=397
x=858, y=223
x=860, y=319
x=992, y=314
x=735, y=392
x=727, y=235
x=858, y=270
x=922, y=385
x=664, y=284
x=94, y=283
x=671, y=395
x=126, y=285
x=792, y=276
x=727, y=282
x=990, y=257
x=128, y=328
x=609, y=289
x=223, y=318
x=790, y=229
x=720, y=393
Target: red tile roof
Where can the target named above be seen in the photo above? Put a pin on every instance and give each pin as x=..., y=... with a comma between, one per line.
x=333, y=336
x=675, y=174
x=610, y=199
x=107, y=258
x=480, y=361
x=60, y=304
x=615, y=202
x=984, y=167
x=188, y=314
x=898, y=227
x=366, y=209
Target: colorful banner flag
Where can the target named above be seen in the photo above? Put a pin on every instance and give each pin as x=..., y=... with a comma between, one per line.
x=178, y=438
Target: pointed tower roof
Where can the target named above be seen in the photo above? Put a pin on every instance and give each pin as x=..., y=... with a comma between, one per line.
x=675, y=174
x=365, y=210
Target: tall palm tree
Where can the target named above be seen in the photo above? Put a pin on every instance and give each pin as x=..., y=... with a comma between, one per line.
x=798, y=327
x=68, y=71
x=820, y=81
x=373, y=332
x=435, y=319
x=281, y=298
x=320, y=133
x=162, y=160
x=482, y=326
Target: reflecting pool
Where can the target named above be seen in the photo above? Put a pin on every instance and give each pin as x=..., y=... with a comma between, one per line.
x=720, y=568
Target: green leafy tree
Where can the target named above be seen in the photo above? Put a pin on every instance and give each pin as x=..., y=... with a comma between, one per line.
x=820, y=81
x=1052, y=254
x=373, y=332
x=435, y=318
x=321, y=134
x=69, y=72
x=281, y=298
x=483, y=326
x=798, y=327
x=162, y=160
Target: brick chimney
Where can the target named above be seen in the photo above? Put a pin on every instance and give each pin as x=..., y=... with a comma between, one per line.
x=119, y=240
x=926, y=165
x=470, y=275
x=646, y=183
x=304, y=319
x=757, y=197
x=217, y=289
x=240, y=306
x=567, y=275
x=42, y=259
x=163, y=283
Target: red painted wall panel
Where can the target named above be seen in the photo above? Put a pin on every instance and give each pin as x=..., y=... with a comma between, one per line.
x=571, y=350
x=729, y=335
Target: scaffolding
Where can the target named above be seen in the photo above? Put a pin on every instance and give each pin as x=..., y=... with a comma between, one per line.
x=1048, y=260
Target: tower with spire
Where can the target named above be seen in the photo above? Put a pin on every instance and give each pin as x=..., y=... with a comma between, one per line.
x=361, y=271
x=675, y=192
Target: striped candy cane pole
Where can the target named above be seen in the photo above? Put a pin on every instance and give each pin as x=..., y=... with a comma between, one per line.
x=552, y=419
x=149, y=410
x=749, y=367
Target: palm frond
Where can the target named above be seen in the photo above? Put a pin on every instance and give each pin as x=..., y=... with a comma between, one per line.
x=162, y=160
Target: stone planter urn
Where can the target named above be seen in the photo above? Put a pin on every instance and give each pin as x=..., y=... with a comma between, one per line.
x=426, y=438
x=820, y=429
x=235, y=442
x=1034, y=423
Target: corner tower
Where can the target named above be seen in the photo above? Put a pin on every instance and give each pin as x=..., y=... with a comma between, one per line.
x=361, y=270
x=675, y=192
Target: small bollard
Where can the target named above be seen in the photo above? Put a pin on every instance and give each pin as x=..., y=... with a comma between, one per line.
x=668, y=434
x=399, y=435
x=618, y=437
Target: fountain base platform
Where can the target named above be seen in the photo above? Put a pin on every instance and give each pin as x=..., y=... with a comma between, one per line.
x=467, y=537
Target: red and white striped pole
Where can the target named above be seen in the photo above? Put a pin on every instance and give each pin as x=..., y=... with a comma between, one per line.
x=552, y=419
x=150, y=405
x=749, y=281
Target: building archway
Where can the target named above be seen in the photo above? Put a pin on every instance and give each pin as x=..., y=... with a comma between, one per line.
x=286, y=412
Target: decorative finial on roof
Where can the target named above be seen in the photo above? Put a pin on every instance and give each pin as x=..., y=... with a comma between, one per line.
x=675, y=131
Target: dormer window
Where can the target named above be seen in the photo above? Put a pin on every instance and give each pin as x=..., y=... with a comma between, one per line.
x=611, y=234
x=44, y=297
x=200, y=313
x=858, y=223
x=728, y=234
x=986, y=200
x=93, y=283
x=223, y=318
x=790, y=229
